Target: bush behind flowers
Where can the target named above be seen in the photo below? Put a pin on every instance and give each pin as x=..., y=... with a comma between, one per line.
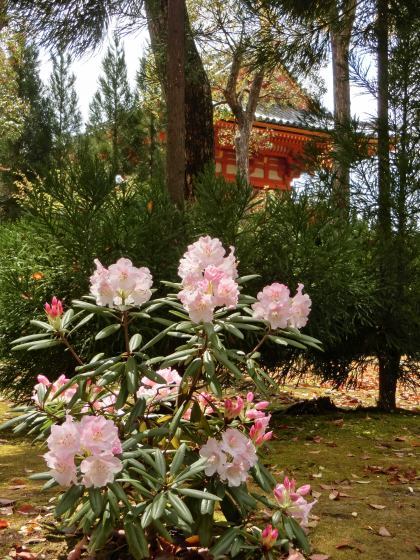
x=151, y=445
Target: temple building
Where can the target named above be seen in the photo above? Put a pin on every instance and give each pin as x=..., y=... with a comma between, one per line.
x=278, y=140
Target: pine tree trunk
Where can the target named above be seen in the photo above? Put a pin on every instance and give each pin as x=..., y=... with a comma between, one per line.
x=389, y=365
x=199, y=132
x=175, y=152
x=340, y=43
x=389, y=358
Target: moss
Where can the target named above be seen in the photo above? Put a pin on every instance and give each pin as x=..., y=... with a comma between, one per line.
x=339, y=451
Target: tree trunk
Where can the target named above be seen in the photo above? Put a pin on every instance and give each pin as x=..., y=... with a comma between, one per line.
x=199, y=133
x=175, y=149
x=340, y=42
x=389, y=358
x=389, y=364
x=242, y=138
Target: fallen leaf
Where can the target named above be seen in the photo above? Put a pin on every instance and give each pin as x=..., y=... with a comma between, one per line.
x=363, y=481
x=3, y=524
x=26, y=509
x=316, y=494
x=24, y=555
x=327, y=487
x=334, y=495
x=383, y=532
x=400, y=438
x=344, y=544
x=377, y=506
x=319, y=557
x=354, y=514
x=6, y=502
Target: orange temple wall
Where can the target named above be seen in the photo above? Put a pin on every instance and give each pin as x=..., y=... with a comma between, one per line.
x=276, y=153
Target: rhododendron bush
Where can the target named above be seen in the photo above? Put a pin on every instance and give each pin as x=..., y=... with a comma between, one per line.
x=157, y=447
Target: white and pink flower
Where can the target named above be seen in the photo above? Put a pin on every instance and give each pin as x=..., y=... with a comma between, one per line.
x=99, y=470
x=275, y=306
x=94, y=440
x=231, y=458
x=292, y=500
x=121, y=284
x=208, y=279
x=150, y=389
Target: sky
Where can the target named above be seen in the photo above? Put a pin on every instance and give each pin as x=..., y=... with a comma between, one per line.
x=88, y=69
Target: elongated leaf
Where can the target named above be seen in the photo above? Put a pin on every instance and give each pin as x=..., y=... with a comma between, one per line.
x=135, y=342
x=84, y=321
x=160, y=463
x=69, y=499
x=199, y=494
x=44, y=345
x=108, y=331
x=158, y=506
x=180, y=508
x=136, y=539
x=224, y=543
x=41, y=325
x=178, y=459
x=30, y=337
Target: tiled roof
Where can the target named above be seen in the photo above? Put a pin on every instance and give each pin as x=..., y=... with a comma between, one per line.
x=287, y=116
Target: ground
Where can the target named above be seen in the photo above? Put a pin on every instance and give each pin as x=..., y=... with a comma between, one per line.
x=362, y=466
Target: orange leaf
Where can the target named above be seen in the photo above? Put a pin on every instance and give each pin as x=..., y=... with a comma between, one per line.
x=3, y=524
x=377, y=506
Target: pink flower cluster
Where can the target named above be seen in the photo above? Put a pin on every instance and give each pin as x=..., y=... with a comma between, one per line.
x=231, y=458
x=159, y=391
x=269, y=537
x=292, y=500
x=121, y=284
x=247, y=409
x=275, y=306
x=43, y=381
x=54, y=311
x=95, y=440
x=208, y=279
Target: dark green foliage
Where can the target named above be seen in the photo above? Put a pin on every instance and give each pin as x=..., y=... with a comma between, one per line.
x=32, y=270
x=66, y=117
x=112, y=109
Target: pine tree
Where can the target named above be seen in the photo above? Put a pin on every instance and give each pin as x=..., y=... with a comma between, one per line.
x=31, y=152
x=66, y=117
x=112, y=102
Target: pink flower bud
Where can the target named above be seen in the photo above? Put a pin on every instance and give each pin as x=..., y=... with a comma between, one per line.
x=250, y=397
x=262, y=405
x=269, y=537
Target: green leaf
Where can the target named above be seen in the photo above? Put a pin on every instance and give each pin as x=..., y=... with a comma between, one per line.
x=147, y=518
x=233, y=330
x=44, y=345
x=95, y=499
x=69, y=499
x=199, y=494
x=136, y=539
x=160, y=463
x=223, y=359
x=135, y=342
x=131, y=375
x=178, y=459
x=29, y=337
x=180, y=508
x=80, y=324
x=223, y=544
x=158, y=506
x=108, y=331
x=42, y=325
